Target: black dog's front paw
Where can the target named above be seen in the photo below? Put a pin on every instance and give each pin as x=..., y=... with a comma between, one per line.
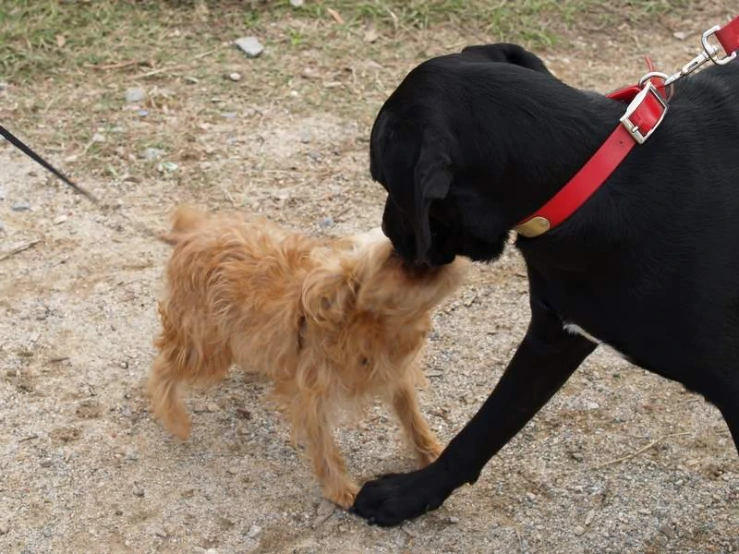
x=392, y=499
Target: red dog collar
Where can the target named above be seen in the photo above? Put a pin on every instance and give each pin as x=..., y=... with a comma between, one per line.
x=643, y=115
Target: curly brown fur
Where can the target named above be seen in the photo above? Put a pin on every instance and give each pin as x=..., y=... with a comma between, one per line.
x=331, y=323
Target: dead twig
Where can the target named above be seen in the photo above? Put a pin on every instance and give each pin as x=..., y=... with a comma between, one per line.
x=120, y=65
x=19, y=249
x=640, y=451
x=160, y=70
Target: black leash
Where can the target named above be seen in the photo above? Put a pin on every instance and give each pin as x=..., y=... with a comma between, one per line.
x=15, y=141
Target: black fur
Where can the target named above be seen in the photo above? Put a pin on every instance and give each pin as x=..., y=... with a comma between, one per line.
x=467, y=146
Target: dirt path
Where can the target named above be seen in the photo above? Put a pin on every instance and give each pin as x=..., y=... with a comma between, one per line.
x=84, y=469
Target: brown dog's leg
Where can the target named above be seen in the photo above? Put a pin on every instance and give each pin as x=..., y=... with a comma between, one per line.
x=425, y=444
x=166, y=401
x=314, y=426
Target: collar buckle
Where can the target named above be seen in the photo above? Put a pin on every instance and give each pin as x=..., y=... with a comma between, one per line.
x=644, y=114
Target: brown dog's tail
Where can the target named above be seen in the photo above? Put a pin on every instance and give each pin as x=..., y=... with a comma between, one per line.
x=184, y=220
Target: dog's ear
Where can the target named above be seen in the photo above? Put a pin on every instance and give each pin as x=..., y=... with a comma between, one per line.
x=432, y=179
x=506, y=53
x=327, y=293
x=391, y=288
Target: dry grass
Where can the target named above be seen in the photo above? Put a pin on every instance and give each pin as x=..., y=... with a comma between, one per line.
x=69, y=64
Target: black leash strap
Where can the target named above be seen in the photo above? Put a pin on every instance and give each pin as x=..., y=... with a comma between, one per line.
x=15, y=141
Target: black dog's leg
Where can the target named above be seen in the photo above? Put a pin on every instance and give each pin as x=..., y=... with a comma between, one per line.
x=543, y=362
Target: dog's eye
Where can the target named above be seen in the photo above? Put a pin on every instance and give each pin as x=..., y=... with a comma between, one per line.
x=364, y=361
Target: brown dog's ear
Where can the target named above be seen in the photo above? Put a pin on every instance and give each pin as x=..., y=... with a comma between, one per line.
x=391, y=288
x=327, y=294
x=432, y=178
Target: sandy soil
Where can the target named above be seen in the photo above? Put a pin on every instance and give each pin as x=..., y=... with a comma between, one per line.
x=83, y=468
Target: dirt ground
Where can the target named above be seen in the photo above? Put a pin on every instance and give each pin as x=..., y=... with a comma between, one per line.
x=619, y=461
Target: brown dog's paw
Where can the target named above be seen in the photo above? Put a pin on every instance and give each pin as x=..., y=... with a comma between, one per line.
x=344, y=497
x=429, y=455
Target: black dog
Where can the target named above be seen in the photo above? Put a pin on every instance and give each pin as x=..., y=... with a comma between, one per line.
x=467, y=147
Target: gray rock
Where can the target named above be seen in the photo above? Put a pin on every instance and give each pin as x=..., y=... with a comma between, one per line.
x=579, y=530
x=21, y=206
x=61, y=219
x=135, y=94
x=138, y=491
x=250, y=46
x=153, y=154
x=45, y=462
x=4, y=527
x=2, y=193
x=254, y=530
x=2, y=226
x=327, y=222
x=296, y=3
x=234, y=76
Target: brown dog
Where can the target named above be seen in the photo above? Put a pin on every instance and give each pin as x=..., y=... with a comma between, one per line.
x=331, y=323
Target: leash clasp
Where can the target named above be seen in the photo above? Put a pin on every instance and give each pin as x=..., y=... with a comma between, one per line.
x=710, y=53
x=650, y=109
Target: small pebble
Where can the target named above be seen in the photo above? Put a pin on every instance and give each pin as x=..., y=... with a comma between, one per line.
x=589, y=517
x=296, y=3
x=579, y=530
x=98, y=137
x=254, y=530
x=138, y=491
x=250, y=46
x=453, y=519
x=233, y=470
x=2, y=226
x=327, y=222
x=4, y=527
x=124, y=364
x=645, y=512
x=577, y=456
x=234, y=76
x=131, y=455
x=136, y=94
x=46, y=462
x=213, y=407
x=168, y=167
x=159, y=532
x=680, y=35
x=61, y=219
x=2, y=193
x=21, y=206
x=153, y=154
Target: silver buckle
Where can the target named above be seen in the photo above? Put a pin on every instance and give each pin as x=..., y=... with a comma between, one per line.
x=631, y=127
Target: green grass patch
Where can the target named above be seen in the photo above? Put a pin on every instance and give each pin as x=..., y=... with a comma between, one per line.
x=43, y=37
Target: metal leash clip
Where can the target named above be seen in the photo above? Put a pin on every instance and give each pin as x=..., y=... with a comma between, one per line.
x=710, y=53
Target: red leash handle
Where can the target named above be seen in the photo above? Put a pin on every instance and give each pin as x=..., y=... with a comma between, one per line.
x=728, y=36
